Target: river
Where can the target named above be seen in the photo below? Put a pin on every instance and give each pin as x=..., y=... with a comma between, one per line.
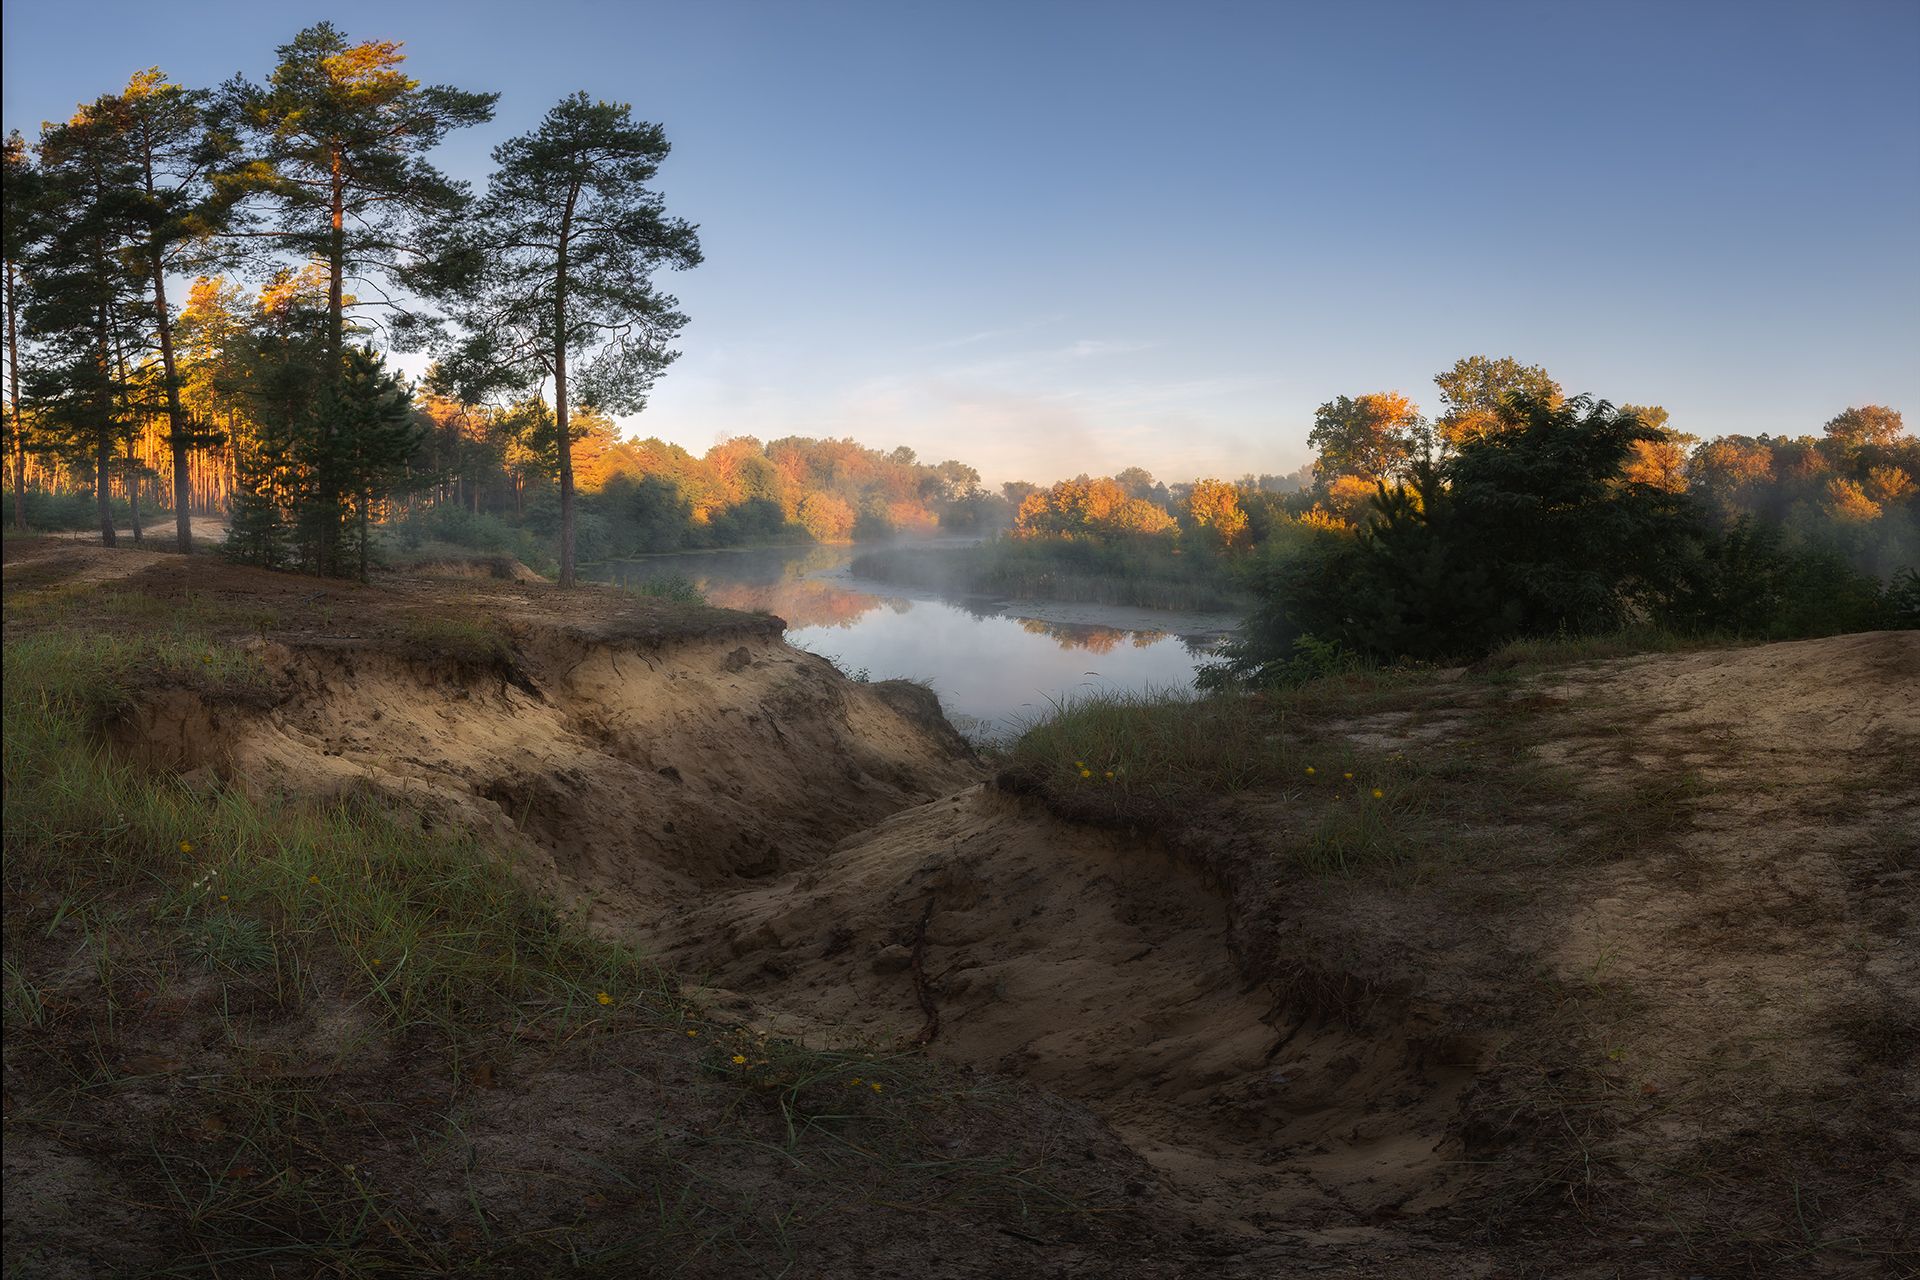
x=996, y=664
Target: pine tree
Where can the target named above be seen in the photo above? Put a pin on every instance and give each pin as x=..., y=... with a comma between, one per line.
x=19, y=195
x=341, y=137
x=362, y=436
x=79, y=236
x=175, y=209
x=561, y=254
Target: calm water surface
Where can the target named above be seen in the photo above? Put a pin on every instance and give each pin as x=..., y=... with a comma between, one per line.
x=995, y=663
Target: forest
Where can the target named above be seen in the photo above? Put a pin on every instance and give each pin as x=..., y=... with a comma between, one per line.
x=205, y=287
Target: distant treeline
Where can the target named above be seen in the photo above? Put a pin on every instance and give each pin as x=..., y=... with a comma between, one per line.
x=1521, y=512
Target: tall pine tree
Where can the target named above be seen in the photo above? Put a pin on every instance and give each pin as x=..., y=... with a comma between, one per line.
x=559, y=260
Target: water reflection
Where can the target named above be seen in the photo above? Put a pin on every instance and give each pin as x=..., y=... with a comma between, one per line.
x=994, y=664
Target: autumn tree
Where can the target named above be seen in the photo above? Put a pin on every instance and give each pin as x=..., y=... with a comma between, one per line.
x=560, y=258
x=1473, y=390
x=1869, y=425
x=1215, y=505
x=1660, y=463
x=1371, y=437
x=1088, y=507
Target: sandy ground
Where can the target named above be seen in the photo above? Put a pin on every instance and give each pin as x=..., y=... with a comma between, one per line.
x=1739, y=997
x=1623, y=1038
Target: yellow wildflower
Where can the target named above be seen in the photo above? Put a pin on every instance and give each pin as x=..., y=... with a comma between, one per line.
x=1086, y=773
x=1378, y=794
x=223, y=897
x=1347, y=776
x=1309, y=771
x=1109, y=775
x=692, y=1032
x=186, y=846
x=313, y=879
x=853, y=1083
x=603, y=998
x=739, y=1059
x=875, y=1088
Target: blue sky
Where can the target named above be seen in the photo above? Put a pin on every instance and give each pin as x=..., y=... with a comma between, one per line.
x=1054, y=237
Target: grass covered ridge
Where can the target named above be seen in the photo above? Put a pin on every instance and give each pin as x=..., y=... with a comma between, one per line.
x=284, y=1039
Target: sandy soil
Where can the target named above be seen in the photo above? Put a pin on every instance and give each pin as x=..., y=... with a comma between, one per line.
x=1738, y=997
x=1663, y=1019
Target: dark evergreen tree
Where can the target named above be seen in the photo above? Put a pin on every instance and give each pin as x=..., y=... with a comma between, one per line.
x=361, y=439
x=559, y=259
x=19, y=198
x=175, y=209
x=338, y=174
x=79, y=236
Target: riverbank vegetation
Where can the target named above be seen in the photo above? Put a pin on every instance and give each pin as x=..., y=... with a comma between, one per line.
x=1544, y=521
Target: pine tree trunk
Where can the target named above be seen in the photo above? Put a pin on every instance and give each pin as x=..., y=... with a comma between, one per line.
x=560, y=393
x=13, y=400
x=176, y=414
x=133, y=494
x=103, y=449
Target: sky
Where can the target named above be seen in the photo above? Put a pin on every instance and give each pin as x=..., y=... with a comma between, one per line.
x=1051, y=237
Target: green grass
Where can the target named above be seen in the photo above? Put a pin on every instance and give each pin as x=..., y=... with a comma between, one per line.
x=250, y=915
x=1539, y=652
x=432, y=925
x=674, y=587
x=1154, y=760
x=482, y=645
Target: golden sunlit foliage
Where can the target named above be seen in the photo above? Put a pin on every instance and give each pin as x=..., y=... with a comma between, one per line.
x=1215, y=505
x=1098, y=508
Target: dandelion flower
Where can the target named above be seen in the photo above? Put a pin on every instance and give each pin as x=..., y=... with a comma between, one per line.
x=313, y=879
x=223, y=897
x=1309, y=771
x=1079, y=764
x=1347, y=776
x=603, y=998
x=692, y=1032
x=376, y=962
x=1378, y=794
x=739, y=1059
x=1086, y=773
x=1109, y=775
x=854, y=1083
x=874, y=1087
x=186, y=846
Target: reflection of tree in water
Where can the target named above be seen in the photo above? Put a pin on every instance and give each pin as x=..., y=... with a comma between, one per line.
x=802, y=602
x=1202, y=646
x=1095, y=639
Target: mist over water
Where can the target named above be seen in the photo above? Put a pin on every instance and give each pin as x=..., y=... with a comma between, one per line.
x=996, y=664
